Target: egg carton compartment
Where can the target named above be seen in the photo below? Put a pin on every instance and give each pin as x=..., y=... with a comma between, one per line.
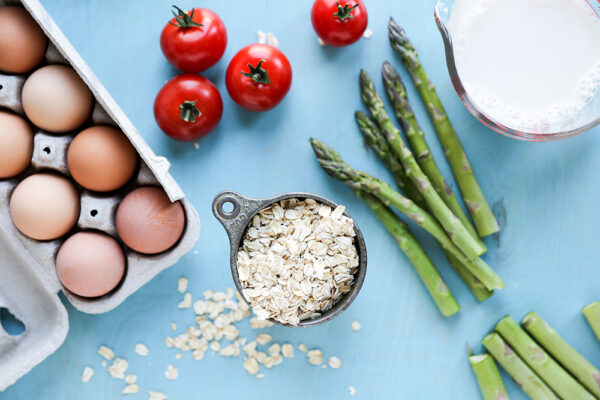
x=29, y=284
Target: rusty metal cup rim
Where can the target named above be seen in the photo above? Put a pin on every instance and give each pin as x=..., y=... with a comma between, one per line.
x=236, y=223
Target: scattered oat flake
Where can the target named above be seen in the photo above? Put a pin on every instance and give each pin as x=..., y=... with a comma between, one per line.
x=352, y=390
x=182, y=285
x=334, y=362
x=251, y=366
x=195, y=252
x=215, y=346
x=256, y=323
x=103, y=363
x=87, y=374
x=106, y=352
x=368, y=33
x=154, y=395
x=130, y=379
x=178, y=356
x=130, y=389
x=259, y=376
x=171, y=373
x=287, y=350
x=118, y=368
x=302, y=347
x=355, y=326
x=321, y=42
x=263, y=338
x=187, y=301
x=196, y=146
x=173, y=326
x=315, y=357
x=141, y=350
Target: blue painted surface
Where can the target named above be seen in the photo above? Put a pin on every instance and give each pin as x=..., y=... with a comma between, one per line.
x=546, y=197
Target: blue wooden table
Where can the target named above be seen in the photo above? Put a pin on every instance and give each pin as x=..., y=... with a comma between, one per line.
x=546, y=197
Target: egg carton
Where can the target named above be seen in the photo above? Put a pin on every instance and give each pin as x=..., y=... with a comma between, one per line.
x=29, y=285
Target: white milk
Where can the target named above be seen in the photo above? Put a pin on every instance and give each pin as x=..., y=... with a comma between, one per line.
x=529, y=64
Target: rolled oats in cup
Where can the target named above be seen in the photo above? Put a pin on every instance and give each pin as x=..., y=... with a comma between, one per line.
x=297, y=259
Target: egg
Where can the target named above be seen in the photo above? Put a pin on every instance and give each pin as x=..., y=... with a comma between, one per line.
x=44, y=206
x=148, y=222
x=22, y=42
x=90, y=264
x=16, y=144
x=56, y=99
x=101, y=158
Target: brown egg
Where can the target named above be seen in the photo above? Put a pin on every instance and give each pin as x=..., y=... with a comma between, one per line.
x=22, y=42
x=16, y=144
x=101, y=158
x=90, y=264
x=44, y=206
x=56, y=99
x=148, y=222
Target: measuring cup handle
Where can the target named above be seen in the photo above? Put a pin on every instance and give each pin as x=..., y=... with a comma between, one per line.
x=236, y=220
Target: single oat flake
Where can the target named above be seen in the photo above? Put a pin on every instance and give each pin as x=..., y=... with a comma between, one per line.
x=106, y=352
x=297, y=260
x=87, y=374
x=355, y=326
x=141, y=350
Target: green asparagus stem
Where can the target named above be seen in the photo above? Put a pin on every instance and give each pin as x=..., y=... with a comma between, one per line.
x=396, y=92
x=333, y=164
x=561, y=351
x=377, y=141
x=437, y=288
x=527, y=380
x=559, y=380
x=463, y=172
x=478, y=289
x=452, y=225
x=592, y=314
x=488, y=377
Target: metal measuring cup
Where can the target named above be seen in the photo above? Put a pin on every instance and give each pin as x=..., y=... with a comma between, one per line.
x=237, y=220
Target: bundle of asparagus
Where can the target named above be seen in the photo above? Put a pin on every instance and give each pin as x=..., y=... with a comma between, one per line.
x=542, y=363
x=426, y=199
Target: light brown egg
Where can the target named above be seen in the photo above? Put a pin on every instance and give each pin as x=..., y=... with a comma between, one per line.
x=22, y=42
x=101, y=158
x=44, y=206
x=56, y=99
x=16, y=144
x=90, y=264
x=148, y=222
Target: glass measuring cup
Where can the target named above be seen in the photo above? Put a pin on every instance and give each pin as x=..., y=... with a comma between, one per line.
x=585, y=120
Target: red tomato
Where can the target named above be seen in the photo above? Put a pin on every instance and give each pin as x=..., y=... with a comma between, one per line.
x=194, y=41
x=339, y=23
x=258, y=77
x=188, y=107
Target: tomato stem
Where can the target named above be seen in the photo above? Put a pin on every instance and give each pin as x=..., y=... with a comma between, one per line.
x=258, y=74
x=183, y=19
x=189, y=111
x=343, y=13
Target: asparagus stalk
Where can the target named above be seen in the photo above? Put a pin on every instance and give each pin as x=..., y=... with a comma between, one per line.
x=333, y=164
x=377, y=141
x=488, y=377
x=592, y=314
x=435, y=284
x=559, y=380
x=575, y=363
x=527, y=380
x=396, y=92
x=463, y=172
x=452, y=225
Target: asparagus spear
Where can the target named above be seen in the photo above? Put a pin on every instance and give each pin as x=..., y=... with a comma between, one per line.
x=463, y=172
x=375, y=138
x=575, y=363
x=559, y=380
x=452, y=225
x=437, y=288
x=592, y=314
x=517, y=369
x=396, y=91
x=333, y=164
x=488, y=377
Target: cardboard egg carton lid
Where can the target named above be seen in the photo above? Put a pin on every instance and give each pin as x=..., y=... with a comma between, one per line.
x=28, y=280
